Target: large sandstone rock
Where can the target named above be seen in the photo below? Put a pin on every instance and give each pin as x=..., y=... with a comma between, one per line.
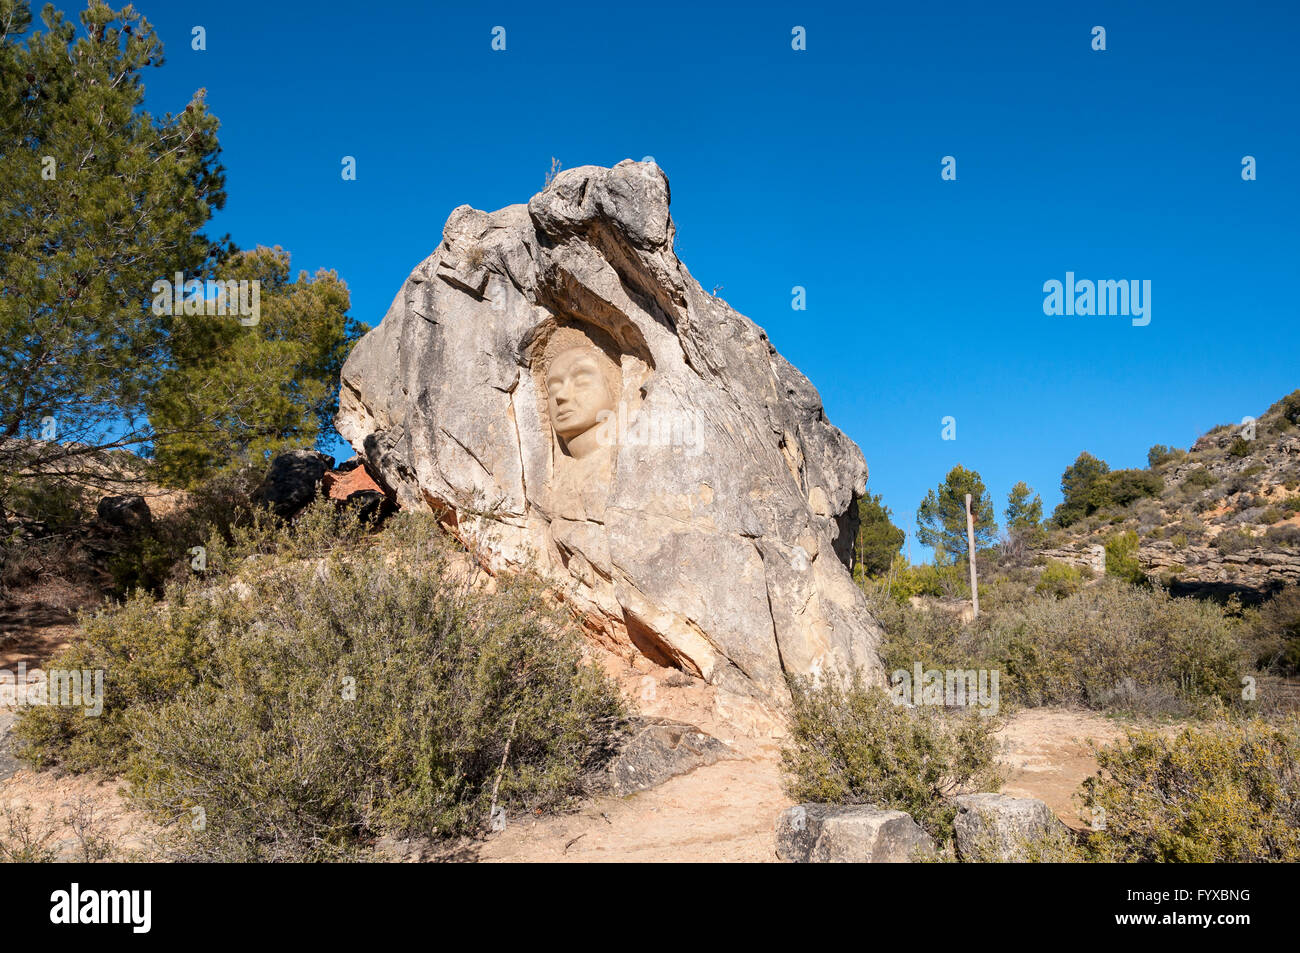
x=852, y=834
x=556, y=386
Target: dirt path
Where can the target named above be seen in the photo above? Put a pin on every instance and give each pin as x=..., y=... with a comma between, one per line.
x=727, y=812
x=724, y=812
x=1045, y=754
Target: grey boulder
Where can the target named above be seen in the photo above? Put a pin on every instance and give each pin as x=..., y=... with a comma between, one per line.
x=853, y=834
x=1000, y=828
x=660, y=749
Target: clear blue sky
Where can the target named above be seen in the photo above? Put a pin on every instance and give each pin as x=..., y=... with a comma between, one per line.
x=822, y=169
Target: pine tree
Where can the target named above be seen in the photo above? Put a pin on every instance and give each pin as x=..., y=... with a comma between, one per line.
x=941, y=517
x=236, y=393
x=1084, y=486
x=878, y=540
x=1023, y=513
x=98, y=199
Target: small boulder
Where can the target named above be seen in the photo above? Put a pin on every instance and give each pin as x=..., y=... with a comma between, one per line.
x=661, y=749
x=854, y=834
x=125, y=512
x=293, y=481
x=998, y=827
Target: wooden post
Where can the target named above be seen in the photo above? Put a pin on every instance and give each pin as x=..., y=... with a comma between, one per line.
x=970, y=553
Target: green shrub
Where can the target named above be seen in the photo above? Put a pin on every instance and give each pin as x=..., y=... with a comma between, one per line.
x=1224, y=793
x=1127, y=486
x=1240, y=447
x=855, y=746
x=1274, y=633
x=1271, y=515
x=924, y=579
x=1114, y=646
x=1200, y=479
x=213, y=509
x=1109, y=646
x=1234, y=541
x=1060, y=579
x=1122, y=558
x=308, y=704
x=1288, y=408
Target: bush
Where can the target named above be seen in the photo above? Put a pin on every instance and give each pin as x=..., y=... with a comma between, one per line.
x=1226, y=793
x=1114, y=646
x=1283, y=537
x=926, y=579
x=1200, y=479
x=1128, y=486
x=308, y=705
x=1239, y=447
x=1234, y=541
x=1160, y=453
x=1288, y=408
x=1122, y=558
x=214, y=508
x=855, y=746
x=1109, y=646
x=1060, y=579
x=1274, y=633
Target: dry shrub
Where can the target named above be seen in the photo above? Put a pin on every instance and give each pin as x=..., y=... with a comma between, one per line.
x=304, y=698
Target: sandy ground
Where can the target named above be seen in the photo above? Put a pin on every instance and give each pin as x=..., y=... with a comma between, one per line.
x=1045, y=754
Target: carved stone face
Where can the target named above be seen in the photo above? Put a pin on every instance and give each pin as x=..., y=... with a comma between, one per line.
x=576, y=392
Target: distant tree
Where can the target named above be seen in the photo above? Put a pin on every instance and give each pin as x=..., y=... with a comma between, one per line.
x=1160, y=453
x=1084, y=489
x=941, y=517
x=878, y=540
x=1023, y=513
x=1122, y=487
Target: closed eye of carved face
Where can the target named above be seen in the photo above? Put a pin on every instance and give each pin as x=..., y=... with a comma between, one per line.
x=576, y=391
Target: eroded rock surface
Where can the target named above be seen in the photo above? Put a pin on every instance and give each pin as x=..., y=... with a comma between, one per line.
x=556, y=386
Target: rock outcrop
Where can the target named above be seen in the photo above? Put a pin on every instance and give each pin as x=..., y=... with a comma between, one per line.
x=554, y=384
